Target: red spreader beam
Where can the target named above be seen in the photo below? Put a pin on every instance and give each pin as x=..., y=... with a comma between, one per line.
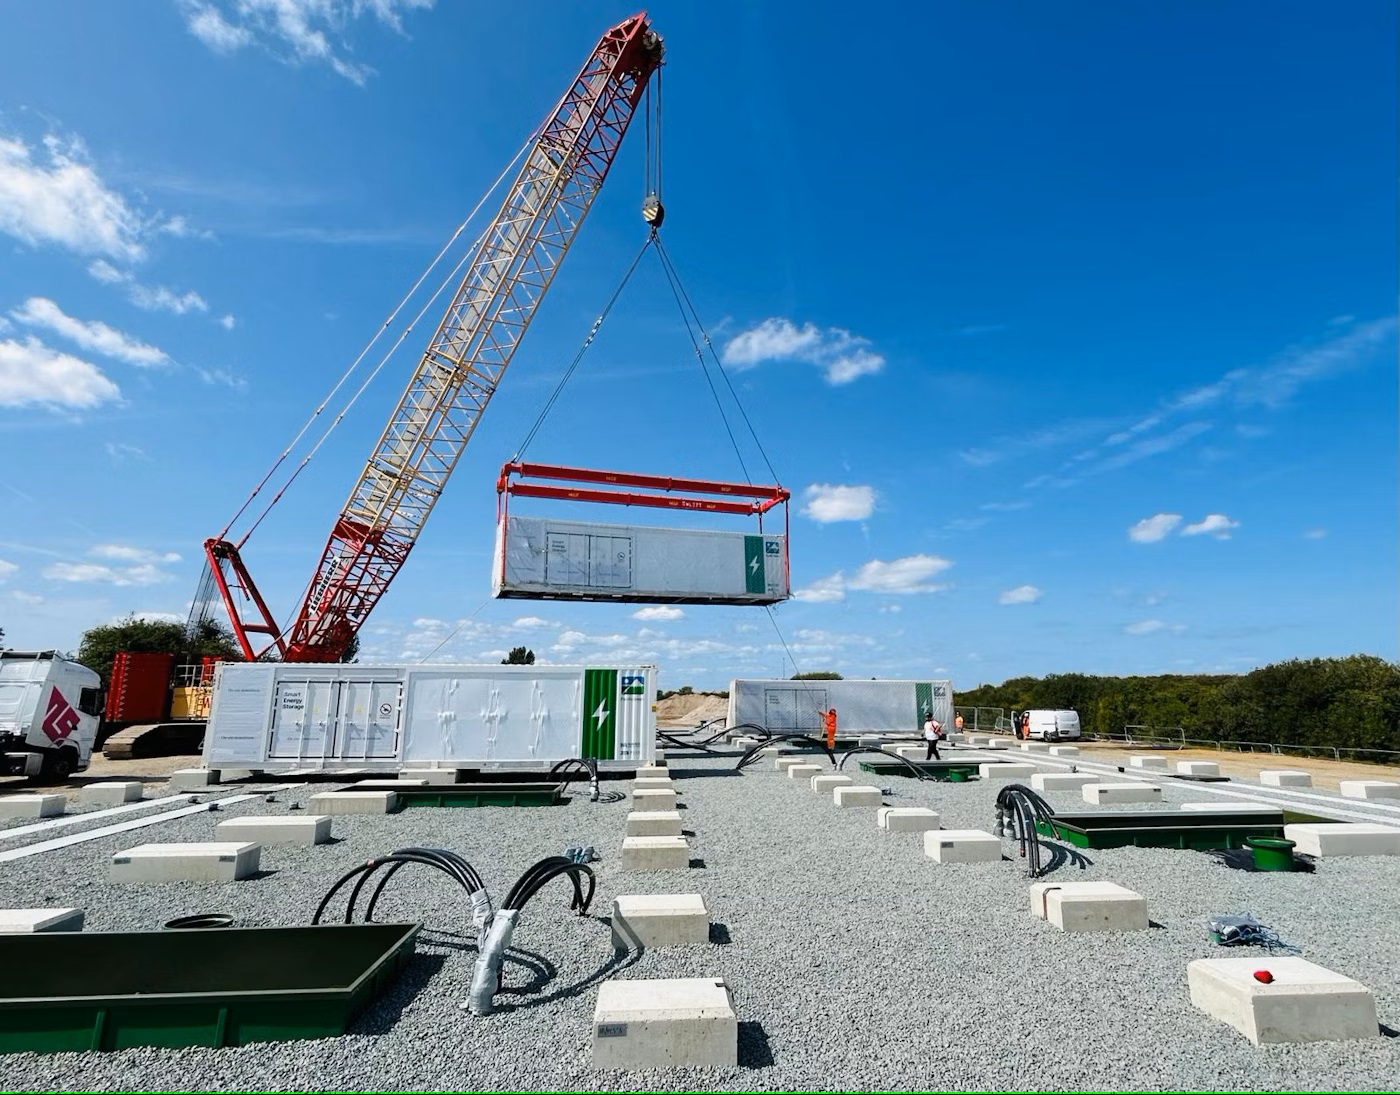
x=762, y=498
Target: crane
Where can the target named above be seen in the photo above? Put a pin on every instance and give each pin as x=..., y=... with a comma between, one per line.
x=507, y=275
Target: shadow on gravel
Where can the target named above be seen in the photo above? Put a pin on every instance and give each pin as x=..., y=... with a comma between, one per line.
x=1389, y=1032
x=258, y=876
x=1062, y=855
x=719, y=933
x=544, y=971
x=381, y=1016
x=696, y=863
x=754, y=1050
x=1242, y=859
x=701, y=773
x=687, y=832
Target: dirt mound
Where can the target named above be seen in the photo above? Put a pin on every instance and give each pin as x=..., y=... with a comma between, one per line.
x=691, y=709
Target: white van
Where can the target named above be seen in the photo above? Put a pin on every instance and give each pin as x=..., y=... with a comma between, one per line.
x=1051, y=726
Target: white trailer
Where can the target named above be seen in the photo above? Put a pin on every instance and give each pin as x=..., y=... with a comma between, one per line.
x=286, y=716
x=862, y=707
x=50, y=711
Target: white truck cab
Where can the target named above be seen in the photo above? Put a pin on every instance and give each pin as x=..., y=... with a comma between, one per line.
x=1051, y=726
x=50, y=710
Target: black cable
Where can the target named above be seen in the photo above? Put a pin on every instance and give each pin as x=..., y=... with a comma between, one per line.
x=752, y=754
x=919, y=772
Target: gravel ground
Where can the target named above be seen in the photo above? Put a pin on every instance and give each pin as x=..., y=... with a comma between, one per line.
x=855, y=962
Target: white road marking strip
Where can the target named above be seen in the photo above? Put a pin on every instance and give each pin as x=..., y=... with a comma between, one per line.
x=77, y=819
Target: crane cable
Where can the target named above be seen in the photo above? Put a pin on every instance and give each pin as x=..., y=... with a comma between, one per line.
x=355, y=364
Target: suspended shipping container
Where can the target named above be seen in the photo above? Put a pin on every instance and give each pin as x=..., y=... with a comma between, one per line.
x=283, y=716
x=538, y=557
x=862, y=707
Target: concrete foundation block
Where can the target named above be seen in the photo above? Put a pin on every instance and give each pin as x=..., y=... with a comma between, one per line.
x=1233, y=805
x=856, y=796
x=655, y=853
x=27, y=921
x=1000, y=770
x=665, y=1023
x=1328, y=839
x=218, y=861
x=1197, y=768
x=1285, y=777
x=653, y=783
x=804, y=771
x=906, y=819
x=1060, y=781
x=654, y=798
x=353, y=802
x=115, y=793
x=962, y=846
x=653, y=771
x=1148, y=762
x=1369, y=788
x=15, y=806
x=1301, y=1002
x=976, y=739
x=302, y=829
x=433, y=777
x=660, y=757
x=654, y=823
x=193, y=779
x=826, y=783
x=782, y=764
x=1089, y=906
x=910, y=752
x=874, y=740
x=659, y=920
x=1034, y=747
x=1105, y=794
x=1064, y=750
x=997, y=743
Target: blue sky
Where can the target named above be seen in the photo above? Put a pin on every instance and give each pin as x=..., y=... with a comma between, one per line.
x=1071, y=327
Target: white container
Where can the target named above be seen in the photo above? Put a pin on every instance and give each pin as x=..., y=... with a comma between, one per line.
x=539, y=557
x=862, y=707
x=280, y=717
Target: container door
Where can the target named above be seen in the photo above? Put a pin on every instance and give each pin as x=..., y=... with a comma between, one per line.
x=779, y=709
x=610, y=561
x=811, y=702
x=301, y=716
x=566, y=561
x=367, y=727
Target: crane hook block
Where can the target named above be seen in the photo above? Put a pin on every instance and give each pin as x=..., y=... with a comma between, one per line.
x=653, y=212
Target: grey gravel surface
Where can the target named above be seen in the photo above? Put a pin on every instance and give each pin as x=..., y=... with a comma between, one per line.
x=855, y=961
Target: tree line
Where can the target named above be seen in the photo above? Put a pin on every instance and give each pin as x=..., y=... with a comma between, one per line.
x=1345, y=703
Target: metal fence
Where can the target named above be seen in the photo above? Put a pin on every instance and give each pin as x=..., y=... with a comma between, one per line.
x=980, y=718
x=1174, y=737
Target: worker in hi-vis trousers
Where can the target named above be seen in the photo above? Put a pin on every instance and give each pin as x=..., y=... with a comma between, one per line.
x=829, y=718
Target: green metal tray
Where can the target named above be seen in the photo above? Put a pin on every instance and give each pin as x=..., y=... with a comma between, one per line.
x=483, y=794
x=1203, y=830
x=199, y=987
x=938, y=769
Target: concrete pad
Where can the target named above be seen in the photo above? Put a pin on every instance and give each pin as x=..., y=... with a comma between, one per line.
x=1106, y=794
x=956, y=738
x=434, y=777
x=1369, y=788
x=651, y=783
x=114, y=793
x=856, y=796
x=1285, y=777
x=1233, y=805
x=654, y=798
x=997, y=743
x=193, y=779
x=782, y=764
x=825, y=784
x=1197, y=768
x=301, y=829
x=387, y=784
x=655, y=853
x=1034, y=747
x=654, y=823
x=910, y=752
x=1060, y=781
x=32, y=805
x=216, y=861
x=665, y=1023
x=653, y=771
x=1148, y=762
x=1328, y=839
x=1064, y=750
x=353, y=802
x=976, y=739
x=804, y=771
x=1000, y=770
x=660, y=757
x=659, y=920
x=26, y=921
x=1303, y=1003
x=962, y=846
x=906, y=819
x=1089, y=906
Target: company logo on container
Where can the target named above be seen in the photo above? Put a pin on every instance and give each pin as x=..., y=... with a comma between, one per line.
x=60, y=719
x=634, y=685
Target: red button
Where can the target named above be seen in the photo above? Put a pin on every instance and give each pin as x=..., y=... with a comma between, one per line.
x=1264, y=975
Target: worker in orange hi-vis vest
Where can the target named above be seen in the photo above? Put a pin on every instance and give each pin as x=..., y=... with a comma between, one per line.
x=957, y=723
x=829, y=718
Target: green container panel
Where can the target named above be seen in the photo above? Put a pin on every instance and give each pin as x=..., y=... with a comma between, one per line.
x=951, y=770
x=199, y=987
x=1204, y=837
x=483, y=794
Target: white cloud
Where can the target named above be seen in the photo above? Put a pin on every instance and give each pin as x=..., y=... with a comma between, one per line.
x=892, y=608
x=55, y=197
x=122, y=553
x=7, y=568
x=1151, y=529
x=89, y=334
x=32, y=374
x=227, y=323
x=106, y=273
x=908, y=574
x=121, y=451
x=26, y=598
x=843, y=356
x=152, y=298
x=1021, y=595
x=137, y=566
x=658, y=612
x=823, y=590
x=1315, y=534
x=1144, y=627
x=531, y=622
x=1003, y=507
x=828, y=502
x=1214, y=524
x=298, y=31
x=153, y=617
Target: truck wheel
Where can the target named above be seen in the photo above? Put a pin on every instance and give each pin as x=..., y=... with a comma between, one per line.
x=58, y=766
